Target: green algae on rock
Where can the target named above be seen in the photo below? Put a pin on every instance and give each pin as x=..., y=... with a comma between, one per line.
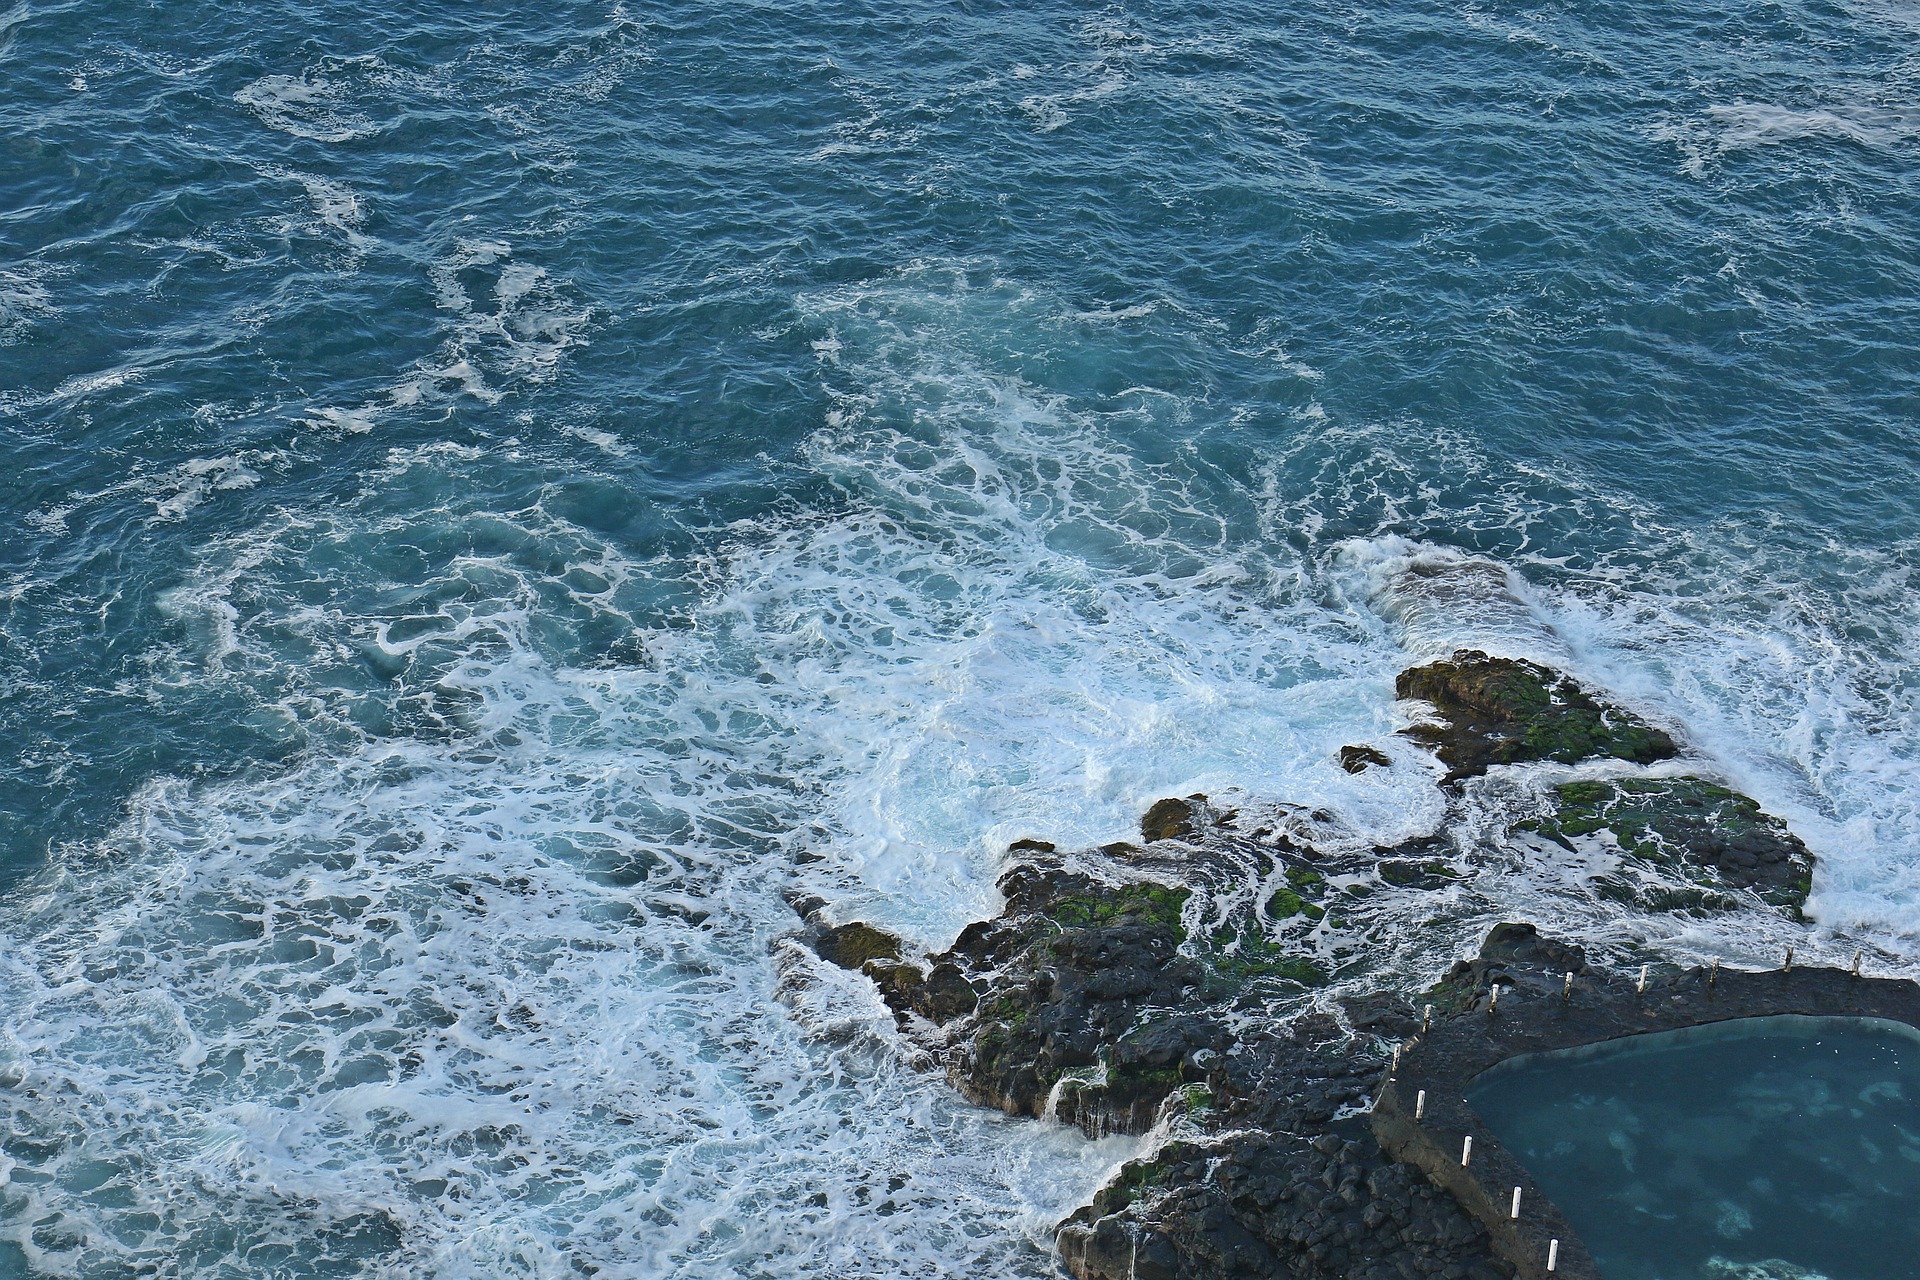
x=1716, y=837
x=1140, y=902
x=1510, y=711
x=1300, y=897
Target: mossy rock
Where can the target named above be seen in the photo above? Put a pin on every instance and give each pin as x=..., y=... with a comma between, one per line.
x=1305, y=885
x=851, y=946
x=1173, y=819
x=1139, y=1177
x=1510, y=711
x=939, y=995
x=1139, y=903
x=1712, y=835
x=1286, y=904
x=1690, y=901
x=1248, y=954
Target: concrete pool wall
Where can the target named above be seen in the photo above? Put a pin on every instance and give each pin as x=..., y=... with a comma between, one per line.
x=1444, y=1061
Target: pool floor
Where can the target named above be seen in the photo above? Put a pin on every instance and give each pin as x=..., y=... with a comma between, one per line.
x=1760, y=1149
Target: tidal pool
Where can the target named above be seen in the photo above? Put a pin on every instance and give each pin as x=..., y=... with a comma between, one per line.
x=1783, y=1148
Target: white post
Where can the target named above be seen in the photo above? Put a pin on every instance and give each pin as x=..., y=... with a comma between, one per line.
x=1396, y=1057
x=1466, y=1151
x=1426, y=1019
x=1566, y=992
x=1420, y=1105
x=1494, y=1004
x=1856, y=964
x=1515, y=1214
x=1553, y=1255
x=1643, y=980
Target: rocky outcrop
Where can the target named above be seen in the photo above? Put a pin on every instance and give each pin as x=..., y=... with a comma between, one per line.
x=1358, y=759
x=854, y=946
x=1120, y=1004
x=1516, y=958
x=1180, y=986
x=1174, y=819
x=1266, y=1203
x=1510, y=711
x=1077, y=1000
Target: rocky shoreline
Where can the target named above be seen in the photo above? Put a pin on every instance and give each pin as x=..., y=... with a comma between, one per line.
x=1180, y=985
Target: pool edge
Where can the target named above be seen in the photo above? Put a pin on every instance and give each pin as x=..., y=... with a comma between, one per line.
x=1443, y=1061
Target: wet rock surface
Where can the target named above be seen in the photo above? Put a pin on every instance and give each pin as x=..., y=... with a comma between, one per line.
x=1095, y=1002
x=1509, y=711
x=1358, y=759
x=1182, y=987
x=1173, y=819
x=1718, y=838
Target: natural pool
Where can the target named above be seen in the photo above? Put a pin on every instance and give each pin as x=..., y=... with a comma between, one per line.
x=1774, y=1148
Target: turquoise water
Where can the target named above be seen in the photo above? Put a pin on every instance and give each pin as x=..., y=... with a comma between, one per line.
x=494, y=487
x=1759, y=1149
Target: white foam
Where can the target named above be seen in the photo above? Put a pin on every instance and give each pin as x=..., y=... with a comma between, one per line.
x=520, y=334
x=1760, y=124
x=1728, y=128
x=25, y=300
x=193, y=482
x=425, y=954
x=335, y=206
x=516, y=335
x=1441, y=599
x=415, y=958
x=1046, y=111
x=354, y=422
x=82, y=385
x=306, y=107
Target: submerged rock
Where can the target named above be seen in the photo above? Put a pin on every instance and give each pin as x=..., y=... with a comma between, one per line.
x=1510, y=711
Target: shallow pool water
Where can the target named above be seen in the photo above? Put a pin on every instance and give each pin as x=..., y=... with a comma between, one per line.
x=1780, y=1148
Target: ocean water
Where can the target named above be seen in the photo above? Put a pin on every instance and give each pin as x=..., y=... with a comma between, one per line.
x=499, y=498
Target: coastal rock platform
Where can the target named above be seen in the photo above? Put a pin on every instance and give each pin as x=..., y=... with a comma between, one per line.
x=1219, y=986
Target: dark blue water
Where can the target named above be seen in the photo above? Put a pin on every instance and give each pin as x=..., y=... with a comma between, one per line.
x=1759, y=1149
x=492, y=486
